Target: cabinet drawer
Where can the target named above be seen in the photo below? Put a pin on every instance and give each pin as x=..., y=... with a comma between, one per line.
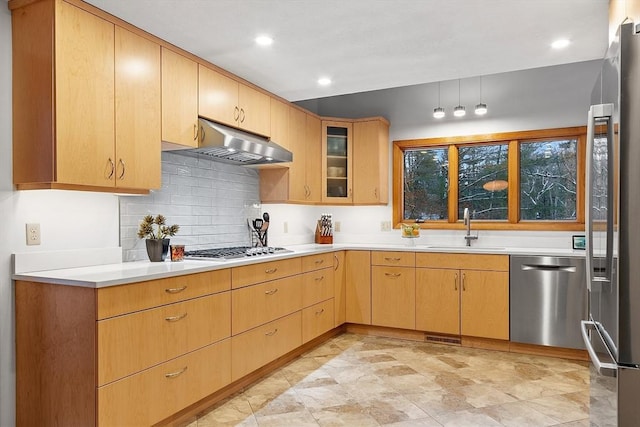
x=463, y=261
x=256, y=273
x=316, y=262
x=317, y=286
x=259, y=346
x=153, y=395
x=316, y=320
x=117, y=300
x=258, y=304
x=400, y=259
x=130, y=343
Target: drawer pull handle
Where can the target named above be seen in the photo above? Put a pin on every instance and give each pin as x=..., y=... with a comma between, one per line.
x=175, y=374
x=464, y=288
x=271, y=291
x=271, y=270
x=271, y=333
x=318, y=313
x=455, y=282
x=317, y=279
x=319, y=261
x=394, y=259
x=393, y=275
x=175, y=290
x=175, y=318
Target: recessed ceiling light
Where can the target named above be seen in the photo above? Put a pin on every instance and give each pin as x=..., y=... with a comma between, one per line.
x=264, y=41
x=324, y=81
x=560, y=43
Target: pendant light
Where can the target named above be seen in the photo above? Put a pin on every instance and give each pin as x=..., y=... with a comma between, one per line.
x=438, y=112
x=459, y=111
x=481, y=108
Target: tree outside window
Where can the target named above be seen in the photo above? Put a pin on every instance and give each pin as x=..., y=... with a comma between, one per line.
x=426, y=184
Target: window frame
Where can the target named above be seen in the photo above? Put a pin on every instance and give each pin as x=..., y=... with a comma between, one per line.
x=512, y=139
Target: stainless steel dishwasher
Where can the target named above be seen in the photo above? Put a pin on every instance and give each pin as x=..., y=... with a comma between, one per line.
x=548, y=299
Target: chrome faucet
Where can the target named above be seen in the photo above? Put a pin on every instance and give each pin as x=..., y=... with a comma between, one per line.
x=467, y=221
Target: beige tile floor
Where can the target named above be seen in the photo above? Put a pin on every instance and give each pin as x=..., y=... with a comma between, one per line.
x=355, y=380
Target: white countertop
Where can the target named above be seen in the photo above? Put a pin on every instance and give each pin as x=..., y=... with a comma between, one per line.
x=129, y=272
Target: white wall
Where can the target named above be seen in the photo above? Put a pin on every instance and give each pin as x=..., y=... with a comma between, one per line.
x=68, y=220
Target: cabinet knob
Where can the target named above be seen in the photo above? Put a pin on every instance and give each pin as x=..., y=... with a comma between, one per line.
x=110, y=168
x=121, y=163
x=175, y=374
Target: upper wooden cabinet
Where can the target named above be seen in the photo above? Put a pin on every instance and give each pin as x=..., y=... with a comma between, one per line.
x=76, y=117
x=179, y=99
x=371, y=162
x=280, y=123
x=230, y=102
x=137, y=88
x=337, y=162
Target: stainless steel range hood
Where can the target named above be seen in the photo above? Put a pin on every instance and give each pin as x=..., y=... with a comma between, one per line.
x=224, y=144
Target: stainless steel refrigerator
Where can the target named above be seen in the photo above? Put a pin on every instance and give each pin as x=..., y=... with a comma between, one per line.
x=612, y=331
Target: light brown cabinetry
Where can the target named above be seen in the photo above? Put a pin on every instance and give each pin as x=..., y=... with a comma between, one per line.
x=179, y=99
x=337, y=162
x=68, y=131
x=280, y=123
x=339, y=288
x=371, y=162
x=300, y=182
x=127, y=367
x=393, y=289
x=317, y=319
x=264, y=271
x=225, y=100
x=358, y=287
x=473, y=287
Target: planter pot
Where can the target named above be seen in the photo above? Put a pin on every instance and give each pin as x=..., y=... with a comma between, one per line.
x=157, y=249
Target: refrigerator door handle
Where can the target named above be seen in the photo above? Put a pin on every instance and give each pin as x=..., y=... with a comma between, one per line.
x=598, y=113
x=603, y=368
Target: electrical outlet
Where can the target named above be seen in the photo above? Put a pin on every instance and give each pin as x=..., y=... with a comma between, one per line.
x=385, y=226
x=285, y=227
x=336, y=226
x=33, y=234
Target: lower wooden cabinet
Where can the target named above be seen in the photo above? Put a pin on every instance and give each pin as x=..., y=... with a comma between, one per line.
x=317, y=319
x=257, y=347
x=358, y=287
x=317, y=286
x=154, y=394
x=485, y=304
x=438, y=300
x=339, y=289
x=393, y=297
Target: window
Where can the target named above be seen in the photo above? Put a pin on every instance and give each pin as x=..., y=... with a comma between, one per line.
x=548, y=180
x=426, y=183
x=516, y=180
x=481, y=167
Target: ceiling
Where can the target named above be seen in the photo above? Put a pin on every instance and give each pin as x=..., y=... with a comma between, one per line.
x=365, y=45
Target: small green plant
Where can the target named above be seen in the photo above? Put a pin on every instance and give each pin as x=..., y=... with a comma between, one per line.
x=156, y=228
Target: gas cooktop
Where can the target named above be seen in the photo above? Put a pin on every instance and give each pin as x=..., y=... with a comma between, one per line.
x=225, y=254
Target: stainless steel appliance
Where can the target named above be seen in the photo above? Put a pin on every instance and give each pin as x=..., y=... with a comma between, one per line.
x=225, y=254
x=548, y=299
x=234, y=146
x=612, y=330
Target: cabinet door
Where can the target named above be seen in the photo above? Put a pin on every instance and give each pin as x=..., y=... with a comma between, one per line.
x=370, y=162
x=393, y=297
x=84, y=97
x=339, y=288
x=313, y=154
x=218, y=96
x=137, y=97
x=179, y=99
x=438, y=300
x=316, y=320
x=255, y=110
x=297, y=133
x=280, y=123
x=317, y=286
x=485, y=304
x=337, y=149
x=358, y=287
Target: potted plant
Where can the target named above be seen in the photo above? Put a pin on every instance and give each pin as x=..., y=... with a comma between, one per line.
x=155, y=230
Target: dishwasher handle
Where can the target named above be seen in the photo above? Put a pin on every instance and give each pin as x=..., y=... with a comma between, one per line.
x=558, y=268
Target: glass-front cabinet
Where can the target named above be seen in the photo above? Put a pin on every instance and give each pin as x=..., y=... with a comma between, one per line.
x=337, y=164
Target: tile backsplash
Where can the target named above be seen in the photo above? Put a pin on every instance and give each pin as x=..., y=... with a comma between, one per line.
x=210, y=201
